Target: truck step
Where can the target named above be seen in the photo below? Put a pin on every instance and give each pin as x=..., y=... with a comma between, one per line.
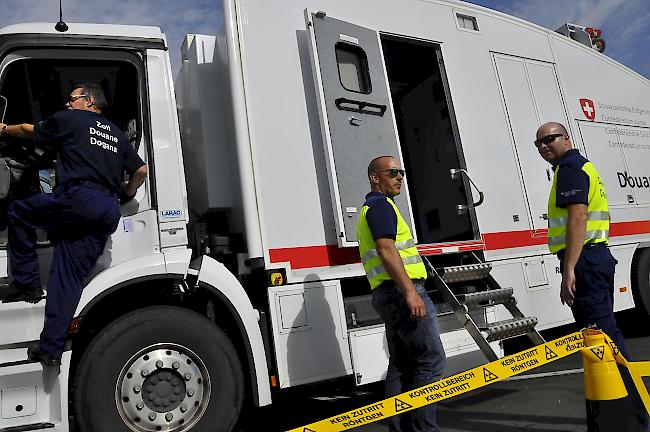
x=509, y=328
x=487, y=298
x=464, y=273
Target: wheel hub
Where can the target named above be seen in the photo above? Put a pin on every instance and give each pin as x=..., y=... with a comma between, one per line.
x=164, y=387
x=163, y=390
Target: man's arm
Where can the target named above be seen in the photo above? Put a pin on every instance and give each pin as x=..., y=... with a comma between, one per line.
x=137, y=178
x=23, y=130
x=575, y=238
x=393, y=264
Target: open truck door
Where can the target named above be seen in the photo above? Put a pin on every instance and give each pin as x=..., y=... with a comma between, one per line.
x=388, y=95
x=357, y=120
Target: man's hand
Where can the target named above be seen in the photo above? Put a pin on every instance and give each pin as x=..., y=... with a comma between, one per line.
x=392, y=261
x=126, y=195
x=23, y=130
x=415, y=304
x=129, y=188
x=568, y=287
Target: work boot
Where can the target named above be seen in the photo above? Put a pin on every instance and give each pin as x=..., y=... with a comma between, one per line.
x=34, y=353
x=15, y=292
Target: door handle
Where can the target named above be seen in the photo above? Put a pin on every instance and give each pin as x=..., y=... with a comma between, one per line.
x=462, y=209
x=360, y=107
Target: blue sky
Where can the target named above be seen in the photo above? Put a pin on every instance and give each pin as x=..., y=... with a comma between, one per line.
x=623, y=22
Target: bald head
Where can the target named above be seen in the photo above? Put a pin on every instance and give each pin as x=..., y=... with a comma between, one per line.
x=551, y=128
x=385, y=175
x=379, y=163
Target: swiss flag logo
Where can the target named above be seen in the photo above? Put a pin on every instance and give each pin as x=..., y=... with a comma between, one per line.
x=588, y=109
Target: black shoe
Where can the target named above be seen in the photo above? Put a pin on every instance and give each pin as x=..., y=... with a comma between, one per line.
x=34, y=353
x=15, y=292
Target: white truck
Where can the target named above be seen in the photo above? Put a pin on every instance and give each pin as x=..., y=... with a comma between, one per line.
x=234, y=272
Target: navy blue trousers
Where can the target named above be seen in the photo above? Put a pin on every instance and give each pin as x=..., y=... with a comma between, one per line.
x=594, y=306
x=416, y=354
x=79, y=219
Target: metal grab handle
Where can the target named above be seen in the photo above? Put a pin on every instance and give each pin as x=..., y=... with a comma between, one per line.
x=462, y=209
x=360, y=107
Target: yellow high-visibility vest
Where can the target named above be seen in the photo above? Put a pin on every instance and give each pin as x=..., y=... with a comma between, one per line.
x=597, y=213
x=404, y=243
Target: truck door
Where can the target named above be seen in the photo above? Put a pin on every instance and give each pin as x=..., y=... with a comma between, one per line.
x=357, y=119
x=532, y=97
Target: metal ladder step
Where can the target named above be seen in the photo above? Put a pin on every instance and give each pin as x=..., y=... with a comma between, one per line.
x=465, y=273
x=460, y=304
x=491, y=297
x=509, y=328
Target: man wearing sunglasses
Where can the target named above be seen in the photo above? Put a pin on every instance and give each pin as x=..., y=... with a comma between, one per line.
x=578, y=233
x=396, y=274
x=80, y=215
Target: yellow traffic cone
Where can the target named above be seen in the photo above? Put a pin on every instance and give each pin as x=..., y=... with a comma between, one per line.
x=608, y=410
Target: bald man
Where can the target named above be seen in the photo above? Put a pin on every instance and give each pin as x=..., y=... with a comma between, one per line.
x=578, y=233
x=396, y=274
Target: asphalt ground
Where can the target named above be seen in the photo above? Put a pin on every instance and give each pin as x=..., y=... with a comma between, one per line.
x=553, y=401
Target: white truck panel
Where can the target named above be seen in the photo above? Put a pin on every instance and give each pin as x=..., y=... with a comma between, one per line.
x=309, y=332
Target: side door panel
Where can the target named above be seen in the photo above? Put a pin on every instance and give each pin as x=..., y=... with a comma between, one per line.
x=532, y=97
x=356, y=114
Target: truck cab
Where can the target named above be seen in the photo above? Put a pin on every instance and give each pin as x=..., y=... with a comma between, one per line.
x=146, y=263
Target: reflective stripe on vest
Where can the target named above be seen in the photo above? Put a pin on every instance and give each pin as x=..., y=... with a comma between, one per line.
x=592, y=215
x=598, y=217
x=379, y=269
x=398, y=245
x=404, y=243
x=590, y=236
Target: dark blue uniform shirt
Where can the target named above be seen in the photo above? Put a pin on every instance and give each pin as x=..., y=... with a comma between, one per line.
x=381, y=216
x=572, y=185
x=89, y=147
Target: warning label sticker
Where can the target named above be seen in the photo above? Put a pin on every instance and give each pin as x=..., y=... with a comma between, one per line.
x=550, y=355
x=489, y=376
x=401, y=405
x=599, y=351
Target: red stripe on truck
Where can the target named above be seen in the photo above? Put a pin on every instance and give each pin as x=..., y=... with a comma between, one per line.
x=332, y=255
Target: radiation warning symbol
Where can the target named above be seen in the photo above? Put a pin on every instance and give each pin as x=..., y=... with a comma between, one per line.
x=549, y=353
x=489, y=376
x=599, y=351
x=308, y=430
x=614, y=348
x=401, y=405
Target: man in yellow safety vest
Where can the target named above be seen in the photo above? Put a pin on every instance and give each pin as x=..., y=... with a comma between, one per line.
x=396, y=274
x=578, y=233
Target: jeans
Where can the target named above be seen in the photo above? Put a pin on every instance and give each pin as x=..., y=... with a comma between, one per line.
x=416, y=355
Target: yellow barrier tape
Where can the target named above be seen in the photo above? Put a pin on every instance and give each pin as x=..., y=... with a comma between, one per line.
x=452, y=386
x=637, y=371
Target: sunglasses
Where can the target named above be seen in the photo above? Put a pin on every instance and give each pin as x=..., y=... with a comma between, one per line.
x=73, y=98
x=392, y=173
x=546, y=139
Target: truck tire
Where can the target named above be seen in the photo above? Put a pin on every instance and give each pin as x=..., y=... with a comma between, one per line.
x=641, y=281
x=159, y=368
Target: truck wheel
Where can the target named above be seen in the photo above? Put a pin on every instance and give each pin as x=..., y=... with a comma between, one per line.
x=641, y=281
x=159, y=368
